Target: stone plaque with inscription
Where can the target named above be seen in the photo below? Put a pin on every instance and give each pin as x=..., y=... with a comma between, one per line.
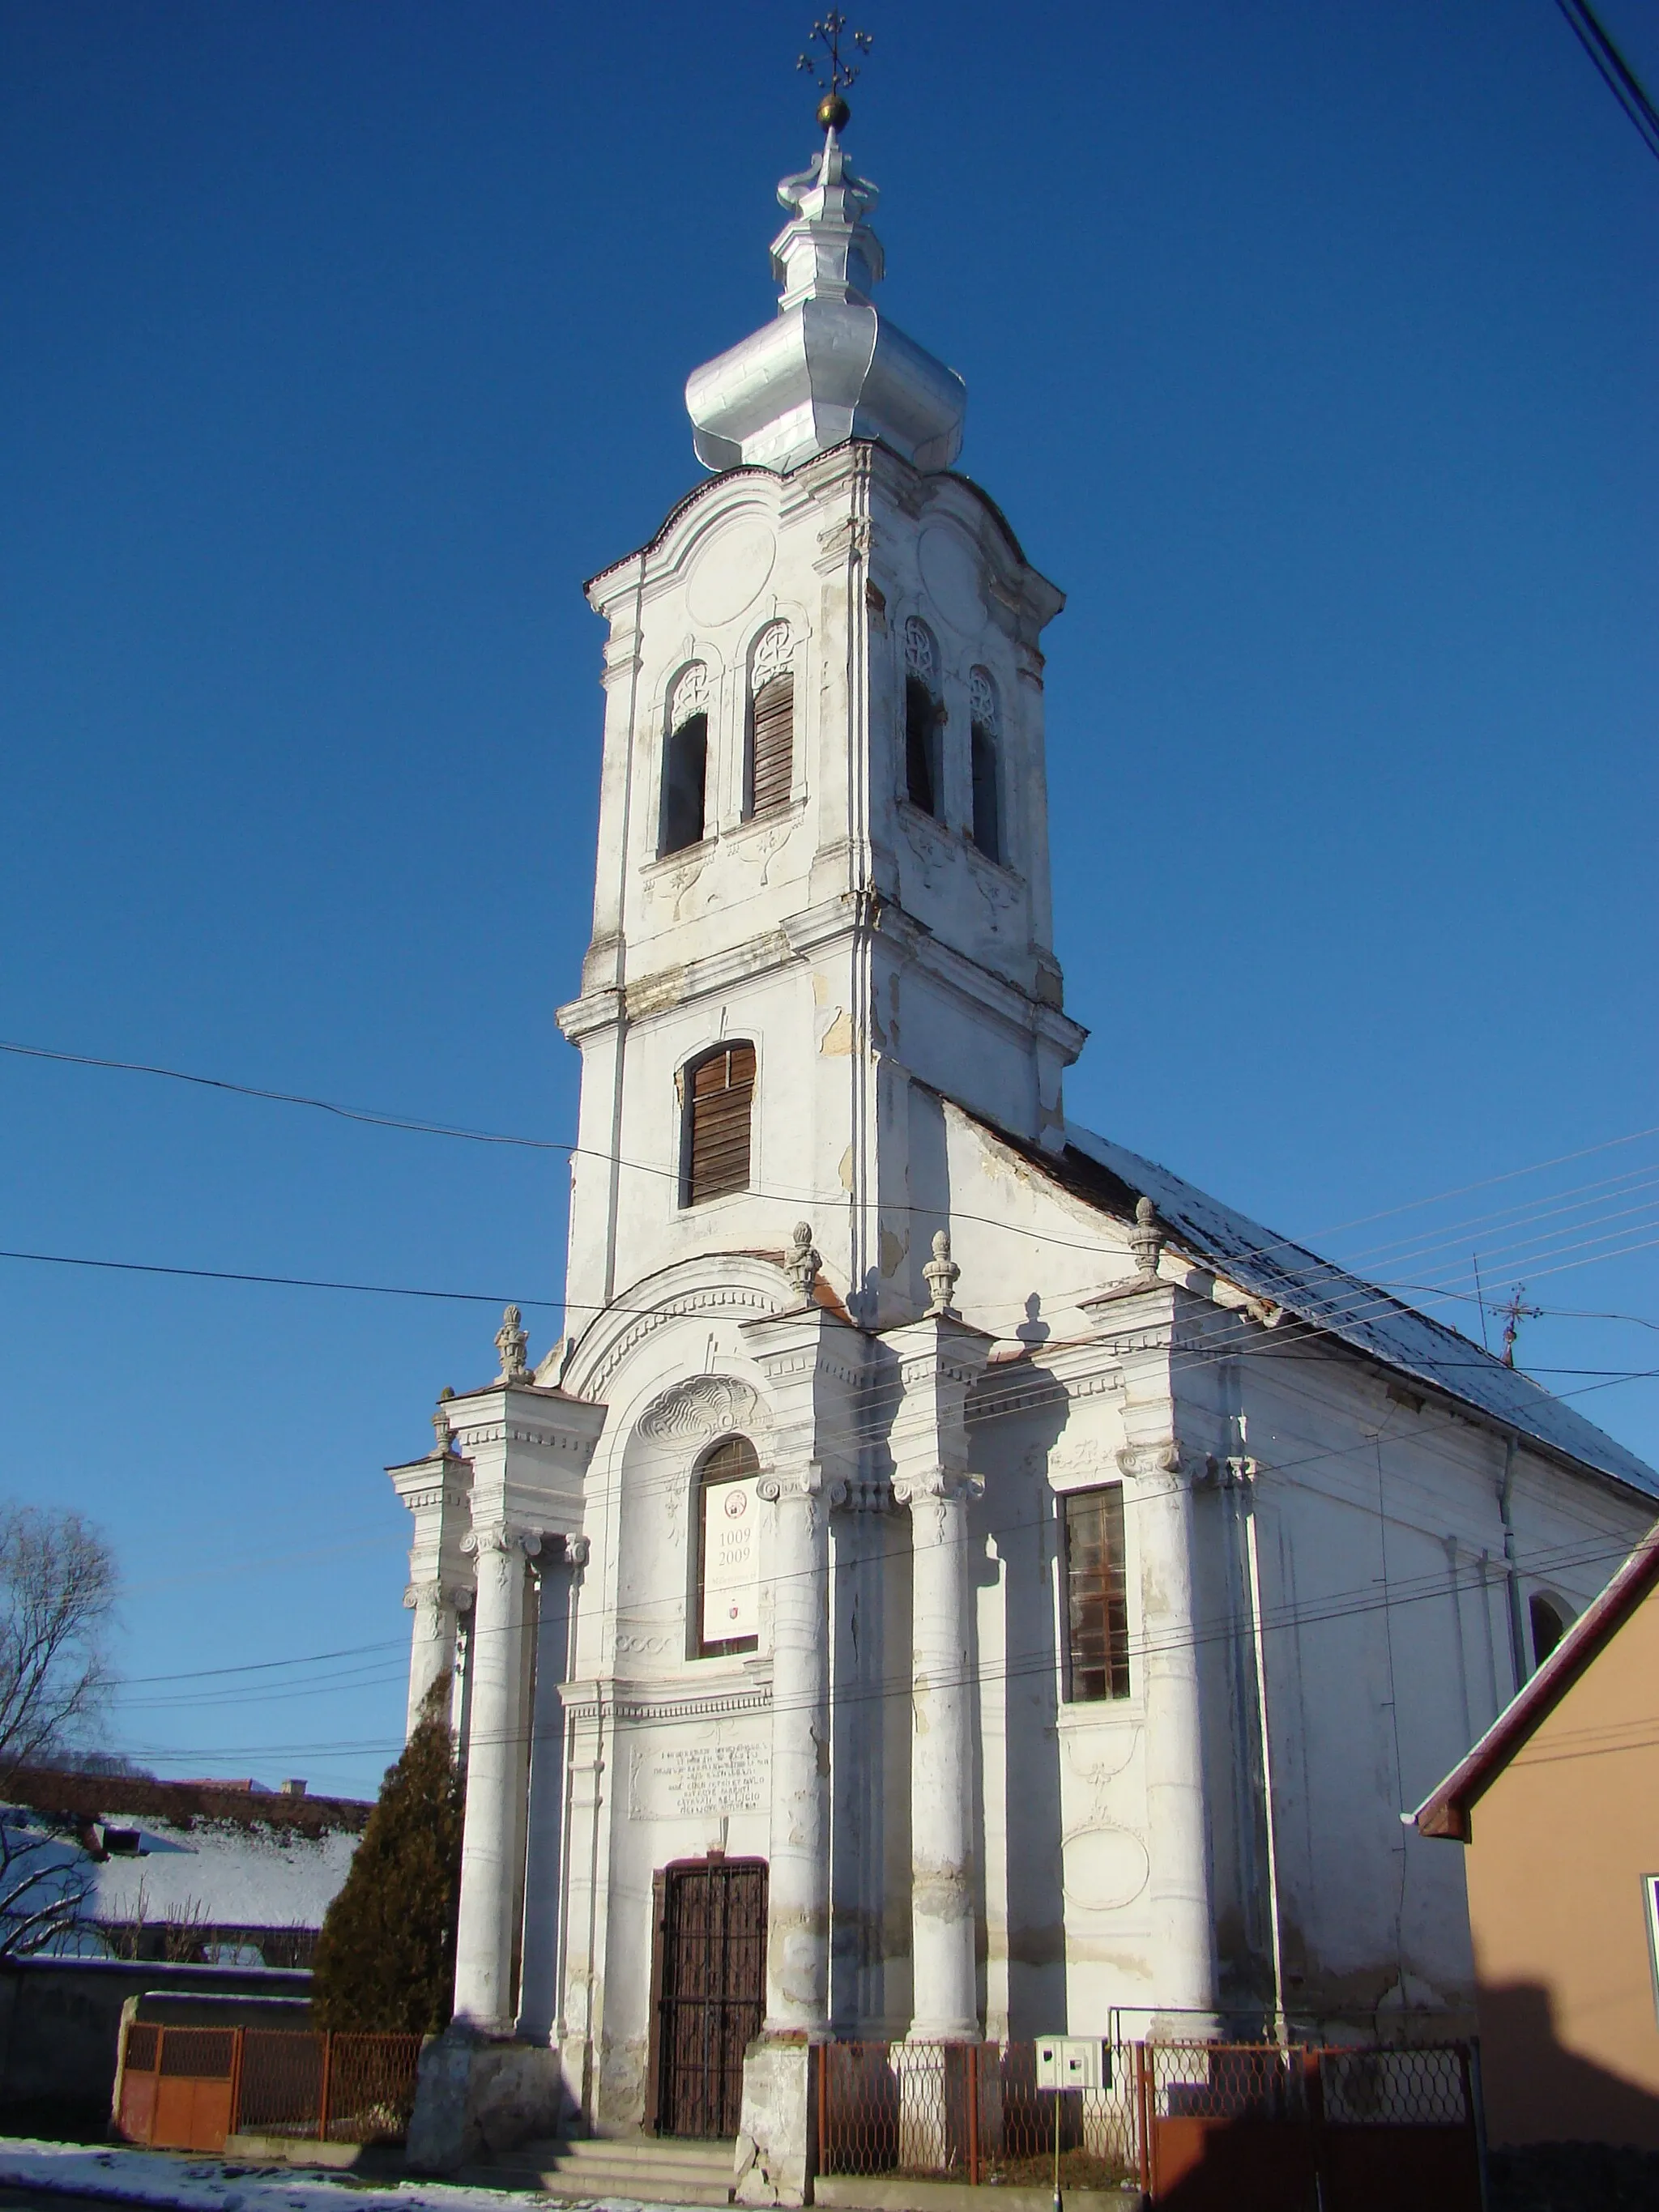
x=694, y=1781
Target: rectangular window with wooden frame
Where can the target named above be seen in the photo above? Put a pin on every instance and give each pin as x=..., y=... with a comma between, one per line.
x=1096, y=1595
x=719, y=1094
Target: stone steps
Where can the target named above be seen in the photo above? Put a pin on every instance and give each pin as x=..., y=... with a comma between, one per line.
x=656, y=2169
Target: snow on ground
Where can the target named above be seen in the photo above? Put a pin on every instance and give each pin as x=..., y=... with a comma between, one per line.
x=213, y=2185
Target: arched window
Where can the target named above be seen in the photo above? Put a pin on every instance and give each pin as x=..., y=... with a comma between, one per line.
x=1548, y=1628
x=686, y=764
x=728, y=1550
x=923, y=783
x=987, y=786
x=771, y=763
x=720, y=1093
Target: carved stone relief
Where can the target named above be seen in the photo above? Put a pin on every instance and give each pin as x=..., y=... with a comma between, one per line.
x=702, y=1405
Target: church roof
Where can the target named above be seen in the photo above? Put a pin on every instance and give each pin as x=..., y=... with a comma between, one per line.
x=1333, y=1302
x=829, y=367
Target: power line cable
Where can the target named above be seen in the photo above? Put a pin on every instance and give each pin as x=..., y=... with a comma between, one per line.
x=1615, y=72
x=376, y=1118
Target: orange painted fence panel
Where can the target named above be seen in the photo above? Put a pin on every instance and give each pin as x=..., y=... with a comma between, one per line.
x=190, y=2089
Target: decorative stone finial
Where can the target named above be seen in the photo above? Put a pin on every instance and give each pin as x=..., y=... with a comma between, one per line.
x=441, y=1428
x=803, y=1264
x=941, y=1274
x=1147, y=1240
x=510, y=1342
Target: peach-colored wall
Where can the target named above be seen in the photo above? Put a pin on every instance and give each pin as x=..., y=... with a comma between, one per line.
x=1570, y=2039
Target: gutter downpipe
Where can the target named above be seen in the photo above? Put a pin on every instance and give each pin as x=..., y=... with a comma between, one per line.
x=1511, y=1568
x=1281, y=2029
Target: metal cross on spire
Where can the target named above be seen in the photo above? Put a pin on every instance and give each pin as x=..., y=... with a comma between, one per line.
x=833, y=114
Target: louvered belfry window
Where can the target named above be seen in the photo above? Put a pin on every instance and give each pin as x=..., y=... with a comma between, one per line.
x=771, y=723
x=720, y=1094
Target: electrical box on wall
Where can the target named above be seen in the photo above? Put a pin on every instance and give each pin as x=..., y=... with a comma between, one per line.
x=1071, y=2062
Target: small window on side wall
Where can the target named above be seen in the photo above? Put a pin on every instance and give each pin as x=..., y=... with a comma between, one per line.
x=728, y=1551
x=987, y=789
x=720, y=1095
x=1096, y=1596
x=771, y=763
x=923, y=783
x=685, y=763
x=1548, y=1627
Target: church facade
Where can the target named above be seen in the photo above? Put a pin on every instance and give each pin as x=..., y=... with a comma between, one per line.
x=953, y=1579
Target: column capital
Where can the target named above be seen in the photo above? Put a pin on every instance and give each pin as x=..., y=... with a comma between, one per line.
x=946, y=1483
x=808, y=1482
x=1165, y=1463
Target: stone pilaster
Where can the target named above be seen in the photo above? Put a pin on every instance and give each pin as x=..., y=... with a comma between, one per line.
x=939, y=1357
x=437, y=1491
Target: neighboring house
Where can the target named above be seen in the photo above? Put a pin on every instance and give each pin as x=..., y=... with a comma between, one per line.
x=1558, y=1807
x=102, y=1867
x=958, y=1578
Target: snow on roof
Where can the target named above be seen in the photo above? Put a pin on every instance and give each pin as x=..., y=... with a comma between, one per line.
x=199, y=1872
x=1345, y=1306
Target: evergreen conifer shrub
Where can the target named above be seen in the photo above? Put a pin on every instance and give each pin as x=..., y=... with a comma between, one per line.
x=386, y=1958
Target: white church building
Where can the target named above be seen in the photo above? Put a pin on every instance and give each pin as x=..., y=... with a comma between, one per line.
x=954, y=1580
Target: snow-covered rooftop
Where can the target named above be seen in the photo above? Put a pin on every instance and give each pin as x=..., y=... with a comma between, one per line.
x=1328, y=1298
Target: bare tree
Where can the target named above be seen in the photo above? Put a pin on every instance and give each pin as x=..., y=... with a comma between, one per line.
x=57, y=1585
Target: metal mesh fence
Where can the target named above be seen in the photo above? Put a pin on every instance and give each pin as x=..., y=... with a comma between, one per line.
x=974, y=2112
x=296, y=2082
x=204, y=2054
x=1224, y=2081
x=968, y=2112
x=1427, y=2088
x=371, y=2086
x=282, y=2087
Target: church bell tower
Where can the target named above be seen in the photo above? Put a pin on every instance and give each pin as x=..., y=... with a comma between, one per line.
x=822, y=896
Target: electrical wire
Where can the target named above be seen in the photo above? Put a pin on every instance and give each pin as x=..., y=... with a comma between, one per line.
x=1614, y=71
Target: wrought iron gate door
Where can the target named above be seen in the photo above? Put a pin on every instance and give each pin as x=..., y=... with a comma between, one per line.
x=711, y=1991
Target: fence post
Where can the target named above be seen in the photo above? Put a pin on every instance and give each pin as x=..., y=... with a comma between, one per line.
x=1475, y=2100
x=236, y=2080
x=328, y=2054
x=1143, y=2121
x=973, y=2052
x=824, y=2101
x=1313, y=2085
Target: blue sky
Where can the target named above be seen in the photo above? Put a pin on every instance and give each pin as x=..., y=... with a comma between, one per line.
x=1311, y=349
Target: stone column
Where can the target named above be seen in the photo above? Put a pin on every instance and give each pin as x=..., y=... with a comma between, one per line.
x=797, y=1879
x=939, y=1357
x=544, y=1855
x=1154, y=1328
x=945, y=1989
x=495, y=1766
x=1178, y=1891
x=813, y=1362
x=432, y=1643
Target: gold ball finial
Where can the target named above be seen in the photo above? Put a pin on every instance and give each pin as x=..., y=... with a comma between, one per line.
x=833, y=114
